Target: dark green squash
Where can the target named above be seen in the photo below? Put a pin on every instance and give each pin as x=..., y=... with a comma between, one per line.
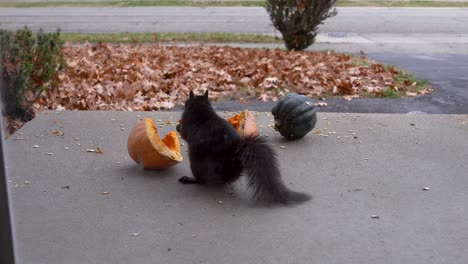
x=295, y=116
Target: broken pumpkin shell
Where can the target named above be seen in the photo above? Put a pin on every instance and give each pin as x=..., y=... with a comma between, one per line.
x=146, y=148
x=244, y=123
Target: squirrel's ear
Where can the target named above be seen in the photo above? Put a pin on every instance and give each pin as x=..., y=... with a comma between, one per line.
x=191, y=94
x=206, y=94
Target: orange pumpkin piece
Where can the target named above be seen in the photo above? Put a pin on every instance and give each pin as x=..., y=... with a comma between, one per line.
x=244, y=123
x=146, y=148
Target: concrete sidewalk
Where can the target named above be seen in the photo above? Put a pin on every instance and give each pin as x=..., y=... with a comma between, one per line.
x=63, y=216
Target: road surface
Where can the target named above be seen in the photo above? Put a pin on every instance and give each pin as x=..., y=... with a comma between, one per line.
x=232, y=19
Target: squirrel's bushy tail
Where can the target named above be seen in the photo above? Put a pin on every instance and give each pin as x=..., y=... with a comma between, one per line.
x=264, y=177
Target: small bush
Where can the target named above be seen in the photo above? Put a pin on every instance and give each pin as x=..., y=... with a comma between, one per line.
x=298, y=20
x=29, y=65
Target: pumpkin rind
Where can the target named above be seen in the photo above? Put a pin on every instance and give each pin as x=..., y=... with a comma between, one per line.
x=295, y=116
x=244, y=123
x=146, y=148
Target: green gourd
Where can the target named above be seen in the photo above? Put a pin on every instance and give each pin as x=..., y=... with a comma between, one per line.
x=295, y=116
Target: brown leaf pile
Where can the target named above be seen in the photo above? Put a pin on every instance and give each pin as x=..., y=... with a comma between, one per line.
x=148, y=77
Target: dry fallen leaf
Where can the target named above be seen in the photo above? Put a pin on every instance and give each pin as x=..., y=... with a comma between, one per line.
x=321, y=104
x=146, y=77
x=57, y=132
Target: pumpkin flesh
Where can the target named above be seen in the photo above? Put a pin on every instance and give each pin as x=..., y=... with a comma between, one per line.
x=146, y=148
x=244, y=123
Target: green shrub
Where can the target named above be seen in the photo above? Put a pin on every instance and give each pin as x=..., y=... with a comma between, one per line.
x=298, y=20
x=29, y=65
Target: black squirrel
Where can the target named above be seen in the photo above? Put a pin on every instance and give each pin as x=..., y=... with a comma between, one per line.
x=218, y=155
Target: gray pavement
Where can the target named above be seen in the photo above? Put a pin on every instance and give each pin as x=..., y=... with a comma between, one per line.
x=442, y=30
x=51, y=1
x=361, y=20
x=62, y=215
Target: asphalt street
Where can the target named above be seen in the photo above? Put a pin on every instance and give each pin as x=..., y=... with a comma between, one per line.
x=232, y=19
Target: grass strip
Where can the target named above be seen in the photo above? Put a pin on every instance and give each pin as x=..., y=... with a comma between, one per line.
x=136, y=38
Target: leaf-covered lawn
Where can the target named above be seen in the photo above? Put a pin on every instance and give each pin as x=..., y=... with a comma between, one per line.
x=149, y=77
